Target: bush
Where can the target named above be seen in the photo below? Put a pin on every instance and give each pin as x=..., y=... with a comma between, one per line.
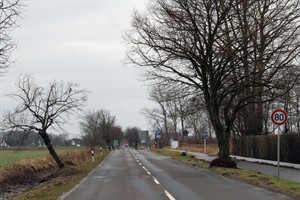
x=183, y=154
x=223, y=162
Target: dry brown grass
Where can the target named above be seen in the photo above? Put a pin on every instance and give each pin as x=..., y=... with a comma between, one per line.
x=211, y=149
x=25, y=167
x=32, y=171
x=63, y=180
x=75, y=158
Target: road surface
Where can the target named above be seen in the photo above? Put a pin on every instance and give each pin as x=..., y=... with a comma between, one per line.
x=129, y=175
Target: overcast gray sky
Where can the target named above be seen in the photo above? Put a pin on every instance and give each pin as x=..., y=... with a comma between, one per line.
x=81, y=42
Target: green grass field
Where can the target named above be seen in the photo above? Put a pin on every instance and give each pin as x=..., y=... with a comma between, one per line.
x=10, y=156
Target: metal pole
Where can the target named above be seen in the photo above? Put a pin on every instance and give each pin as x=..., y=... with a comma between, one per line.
x=205, y=146
x=185, y=144
x=278, y=152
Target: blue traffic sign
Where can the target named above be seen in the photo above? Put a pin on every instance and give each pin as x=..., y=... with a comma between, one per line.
x=205, y=135
x=158, y=134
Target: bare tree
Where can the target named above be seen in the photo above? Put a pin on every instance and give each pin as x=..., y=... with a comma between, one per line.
x=174, y=105
x=132, y=135
x=41, y=108
x=9, y=13
x=107, y=123
x=269, y=31
x=294, y=114
x=154, y=117
x=201, y=44
x=198, y=120
x=99, y=127
x=157, y=95
x=117, y=133
x=89, y=126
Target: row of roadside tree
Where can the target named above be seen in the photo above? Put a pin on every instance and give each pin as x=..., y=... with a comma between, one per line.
x=218, y=66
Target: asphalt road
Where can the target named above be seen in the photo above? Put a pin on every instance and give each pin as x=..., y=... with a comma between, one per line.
x=130, y=174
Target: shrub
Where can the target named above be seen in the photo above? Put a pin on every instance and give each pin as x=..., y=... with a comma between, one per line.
x=223, y=162
x=183, y=154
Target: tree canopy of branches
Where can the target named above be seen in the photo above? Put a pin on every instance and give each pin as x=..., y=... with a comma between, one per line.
x=91, y=135
x=32, y=139
x=40, y=108
x=174, y=108
x=236, y=52
x=98, y=125
x=132, y=136
x=9, y=13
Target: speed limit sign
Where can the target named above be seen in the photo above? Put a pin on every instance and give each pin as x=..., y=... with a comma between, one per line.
x=279, y=117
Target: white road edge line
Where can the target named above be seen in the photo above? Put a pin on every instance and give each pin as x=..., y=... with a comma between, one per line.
x=146, y=170
x=156, y=181
x=169, y=195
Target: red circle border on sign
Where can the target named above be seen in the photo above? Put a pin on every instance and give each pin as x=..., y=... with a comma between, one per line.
x=285, y=117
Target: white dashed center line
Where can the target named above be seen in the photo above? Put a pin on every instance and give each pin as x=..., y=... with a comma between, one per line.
x=169, y=195
x=155, y=180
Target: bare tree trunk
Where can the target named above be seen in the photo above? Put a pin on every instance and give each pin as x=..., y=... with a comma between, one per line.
x=51, y=150
x=223, y=134
x=297, y=114
x=224, y=147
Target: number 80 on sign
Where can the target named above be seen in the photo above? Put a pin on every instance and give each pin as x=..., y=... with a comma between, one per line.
x=278, y=117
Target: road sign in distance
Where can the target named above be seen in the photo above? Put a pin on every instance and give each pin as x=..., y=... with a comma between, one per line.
x=205, y=135
x=279, y=117
x=158, y=134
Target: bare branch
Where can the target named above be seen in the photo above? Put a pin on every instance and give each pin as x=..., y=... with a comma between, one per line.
x=40, y=108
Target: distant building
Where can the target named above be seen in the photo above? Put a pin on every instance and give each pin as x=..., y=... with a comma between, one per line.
x=75, y=142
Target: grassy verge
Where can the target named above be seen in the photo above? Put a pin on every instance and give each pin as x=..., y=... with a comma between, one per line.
x=289, y=188
x=189, y=159
x=10, y=156
x=211, y=149
x=269, y=182
x=62, y=181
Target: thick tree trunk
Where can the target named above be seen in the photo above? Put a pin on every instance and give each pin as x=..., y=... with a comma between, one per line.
x=222, y=133
x=224, y=146
x=51, y=150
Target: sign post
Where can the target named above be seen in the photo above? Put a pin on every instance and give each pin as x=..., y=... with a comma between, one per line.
x=158, y=135
x=185, y=134
x=278, y=118
x=204, y=137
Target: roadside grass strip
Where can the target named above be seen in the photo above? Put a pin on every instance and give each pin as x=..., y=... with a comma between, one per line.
x=61, y=181
x=287, y=187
